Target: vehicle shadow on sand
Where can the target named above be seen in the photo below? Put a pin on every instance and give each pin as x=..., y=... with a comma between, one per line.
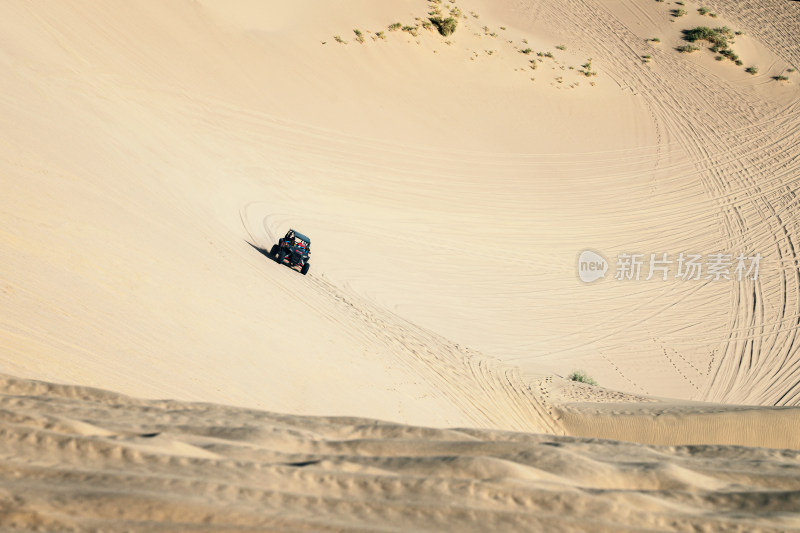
x=263, y=251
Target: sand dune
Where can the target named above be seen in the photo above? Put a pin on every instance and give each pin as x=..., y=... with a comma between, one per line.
x=154, y=152
x=75, y=458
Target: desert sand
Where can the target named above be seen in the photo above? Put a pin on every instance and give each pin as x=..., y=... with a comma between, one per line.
x=161, y=371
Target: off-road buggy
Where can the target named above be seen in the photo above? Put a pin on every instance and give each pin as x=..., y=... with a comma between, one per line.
x=293, y=249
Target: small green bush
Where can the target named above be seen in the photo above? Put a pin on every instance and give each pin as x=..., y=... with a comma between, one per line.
x=688, y=48
x=446, y=26
x=587, y=69
x=561, y=47
x=751, y=70
x=582, y=377
x=394, y=27
x=359, y=36
x=717, y=36
x=703, y=10
x=526, y=51
x=678, y=12
x=780, y=78
x=655, y=40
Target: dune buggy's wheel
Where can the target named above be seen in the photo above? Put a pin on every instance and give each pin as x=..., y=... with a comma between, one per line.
x=280, y=256
x=305, y=268
x=274, y=250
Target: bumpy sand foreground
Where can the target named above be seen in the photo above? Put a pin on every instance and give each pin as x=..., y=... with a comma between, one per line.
x=152, y=153
x=76, y=458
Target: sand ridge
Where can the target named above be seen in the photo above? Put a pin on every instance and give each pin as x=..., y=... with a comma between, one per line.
x=145, y=465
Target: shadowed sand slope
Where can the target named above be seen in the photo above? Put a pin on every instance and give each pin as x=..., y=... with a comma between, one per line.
x=77, y=459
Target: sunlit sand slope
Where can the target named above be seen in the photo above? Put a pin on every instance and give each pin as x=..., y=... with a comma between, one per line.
x=154, y=150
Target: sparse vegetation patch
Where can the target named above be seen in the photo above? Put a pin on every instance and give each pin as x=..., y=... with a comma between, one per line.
x=719, y=38
x=446, y=26
x=716, y=36
x=582, y=377
x=587, y=69
x=443, y=16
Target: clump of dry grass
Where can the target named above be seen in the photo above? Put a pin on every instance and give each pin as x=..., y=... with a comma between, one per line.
x=582, y=377
x=587, y=69
x=446, y=26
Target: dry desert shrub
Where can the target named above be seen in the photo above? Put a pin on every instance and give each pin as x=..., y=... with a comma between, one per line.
x=581, y=377
x=446, y=26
